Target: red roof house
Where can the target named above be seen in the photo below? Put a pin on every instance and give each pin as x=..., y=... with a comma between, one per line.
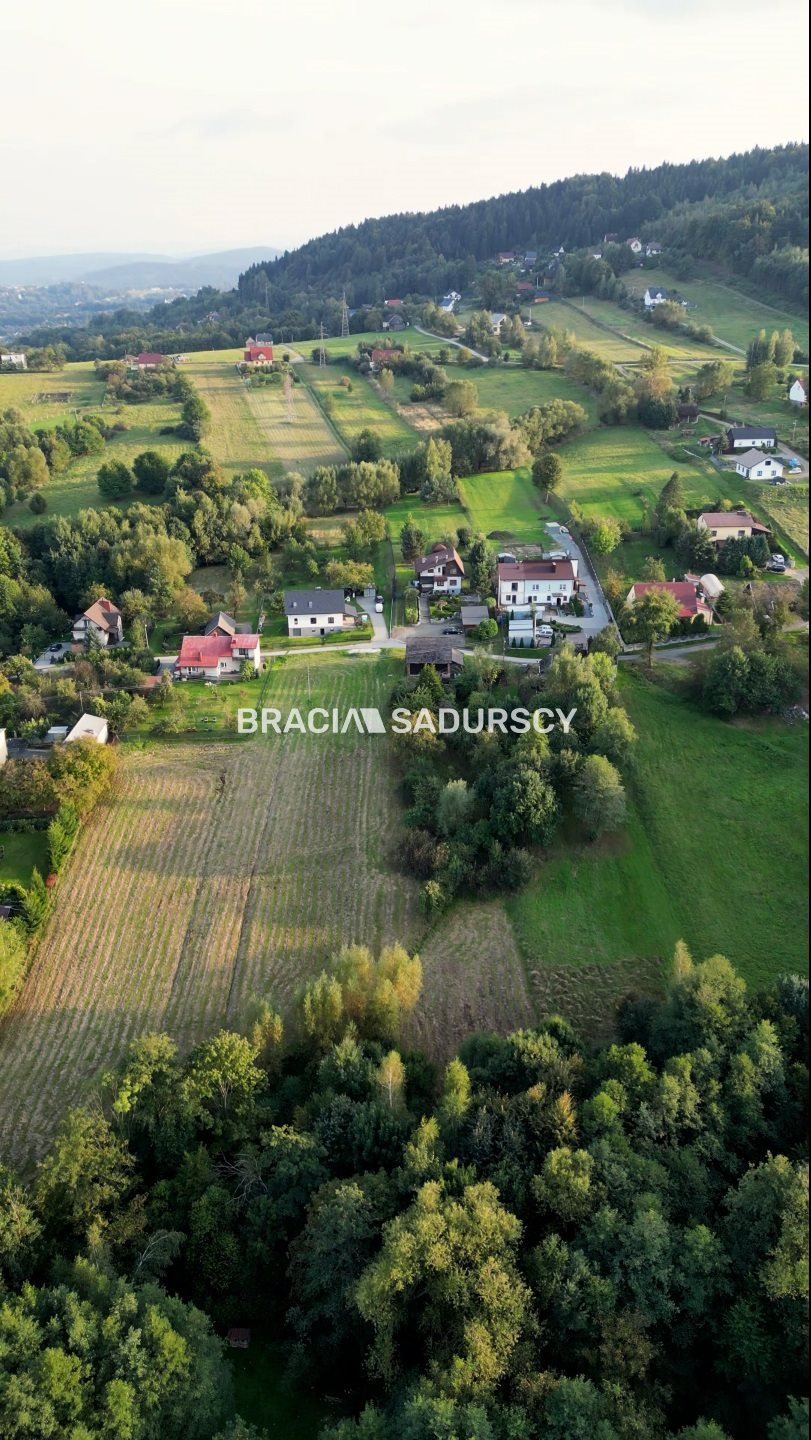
x=149, y=360
x=206, y=657
x=258, y=354
x=684, y=591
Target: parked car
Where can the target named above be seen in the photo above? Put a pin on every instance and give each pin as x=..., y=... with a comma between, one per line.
x=379, y=604
x=451, y=630
x=777, y=564
x=56, y=648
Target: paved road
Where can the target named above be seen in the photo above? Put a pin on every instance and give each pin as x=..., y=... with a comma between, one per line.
x=457, y=344
x=378, y=622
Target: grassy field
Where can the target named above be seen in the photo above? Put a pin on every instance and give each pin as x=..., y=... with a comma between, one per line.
x=21, y=853
x=787, y=509
x=360, y=408
x=506, y=506
x=46, y=400
x=618, y=471
x=733, y=317
x=298, y=444
x=714, y=853
x=515, y=390
x=235, y=437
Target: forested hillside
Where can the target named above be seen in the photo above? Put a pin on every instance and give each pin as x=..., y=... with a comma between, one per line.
x=747, y=213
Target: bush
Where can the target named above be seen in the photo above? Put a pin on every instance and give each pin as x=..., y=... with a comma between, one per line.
x=38, y=504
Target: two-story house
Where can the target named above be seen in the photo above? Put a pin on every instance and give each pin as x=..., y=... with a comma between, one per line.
x=315, y=612
x=524, y=583
x=102, y=623
x=207, y=657
x=441, y=571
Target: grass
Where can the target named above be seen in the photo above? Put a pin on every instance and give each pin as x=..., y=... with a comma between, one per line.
x=504, y=505
x=515, y=390
x=21, y=853
x=361, y=408
x=300, y=443
x=733, y=317
x=714, y=852
x=616, y=471
x=235, y=437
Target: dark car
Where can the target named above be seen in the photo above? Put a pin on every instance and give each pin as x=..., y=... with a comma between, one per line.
x=452, y=630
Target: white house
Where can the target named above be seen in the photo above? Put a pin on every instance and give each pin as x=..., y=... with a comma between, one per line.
x=315, y=612
x=12, y=360
x=798, y=395
x=751, y=437
x=441, y=570
x=497, y=318
x=653, y=248
x=723, y=525
x=89, y=727
x=102, y=623
x=658, y=295
x=3, y=748
x=208, y=657
x=524, y=583
x=754, y=465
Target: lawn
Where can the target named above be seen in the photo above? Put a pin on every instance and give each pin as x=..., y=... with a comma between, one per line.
x=235, y=437
x=683, y=351
x=786, y=507
x=619, y=470
x=714, y=853
x=361, y=408
x=733, y=317
x=515, y=390
x=21, y=853
x=505, y=506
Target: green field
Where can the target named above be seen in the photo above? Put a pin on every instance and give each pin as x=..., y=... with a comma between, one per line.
x=360, y=408
x=515, y=390
x=715, y=852
x=618, y=471
x=235, y=437
x=21, y=853
x=505, y=506
x=733, y=317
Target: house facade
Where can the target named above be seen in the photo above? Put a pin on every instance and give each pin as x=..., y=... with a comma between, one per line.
x=751, y=437
x=315, y=612
x=723, y=525
x=798, y=395
x=754, y=465
x=208, y=657
x=687, y=593
x=101, y=624
x=258, y=351
x=441, y=571
x=524, y=583
x=13, y=360
x=656, y=295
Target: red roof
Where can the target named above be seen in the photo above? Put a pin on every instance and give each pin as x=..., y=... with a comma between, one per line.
x=149, y=357
x=682, y=590
x=393, y=302
x=207, y=650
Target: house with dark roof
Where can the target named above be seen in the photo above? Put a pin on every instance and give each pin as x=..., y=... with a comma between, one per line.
x=220, y=623
x=441, y=571
x=657, y=295
x=102, y=623
x=723, y=525
x=524, y=583
x=440, y=652
x=751, y=437
x=210, y=657
x=316, y=612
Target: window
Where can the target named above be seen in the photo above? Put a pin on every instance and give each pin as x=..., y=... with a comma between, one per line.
x=330, y=619
x=514, y=587
x=313, y=619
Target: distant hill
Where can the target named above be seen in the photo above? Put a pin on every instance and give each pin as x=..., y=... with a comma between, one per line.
x=136, y=270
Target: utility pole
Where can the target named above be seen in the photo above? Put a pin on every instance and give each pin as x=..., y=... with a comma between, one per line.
x=322, y=354
x=344, y=318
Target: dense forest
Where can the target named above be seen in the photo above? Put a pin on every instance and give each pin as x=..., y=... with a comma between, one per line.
x=748, y=212
x=543, y=1239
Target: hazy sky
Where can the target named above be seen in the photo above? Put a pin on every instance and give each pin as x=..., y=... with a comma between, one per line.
x=180, y=126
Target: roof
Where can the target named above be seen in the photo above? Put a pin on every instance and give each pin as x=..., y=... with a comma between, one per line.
x=433, y=651
x=439, y=554
x=205, y=650
x=682, y=590
x=712, y=586
x=536, y=570
x=221, y=621
x=103, y=612
x=87, y=727
x=313, y=602
x=474, y=614
x=264, y=337
x=659, y=290
x=751, y=458
x=392, y=302
x=725, y=519
x=752, y=432
x=149, y=357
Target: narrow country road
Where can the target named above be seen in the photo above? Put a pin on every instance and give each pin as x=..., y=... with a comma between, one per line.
x=457, y=344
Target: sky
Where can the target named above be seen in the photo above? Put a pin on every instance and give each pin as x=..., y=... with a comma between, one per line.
x=186, y=126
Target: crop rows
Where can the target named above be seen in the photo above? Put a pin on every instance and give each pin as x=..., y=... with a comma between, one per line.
x=300, y=443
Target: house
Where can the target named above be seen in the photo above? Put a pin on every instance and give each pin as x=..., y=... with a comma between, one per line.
x=798, y=395
x=505, y=257
x=657, y=295
x=89, y=727
x=208, y=657
x=258, y=351
x=220, y=624
x=238, y=1337
x=393, y=304
x=751, y=437
x=396, y=322
x=687, y=412
x=611, y=237
x=634, y=244
x=148, y=360
x=101, y=624
x=497, y=318
x=441, y=652
x=316, y=612
x=686, y=592
x=523, y=583
x=12, y=360
x=530, y=258
x=754, y=465
x=724, y=525
x=3, y=748
x=653, y=248
x=441, y=571
x=472, y=616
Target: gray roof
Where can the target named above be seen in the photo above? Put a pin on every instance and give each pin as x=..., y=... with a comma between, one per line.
x=433, y=651
x=659, y=290
x=313, y=602
x=751, y=458
x=221, y=620
x=473, y=614
x=753, y=432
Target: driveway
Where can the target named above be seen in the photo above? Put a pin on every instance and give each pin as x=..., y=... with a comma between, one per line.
x=48, y=659
x=591, y=591
x=378, y=622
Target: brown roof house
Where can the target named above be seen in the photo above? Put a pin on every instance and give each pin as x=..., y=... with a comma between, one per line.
x=441, y=570
x=441, y=652
x=101, y=624
x=724, y=525
x=220, y=624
